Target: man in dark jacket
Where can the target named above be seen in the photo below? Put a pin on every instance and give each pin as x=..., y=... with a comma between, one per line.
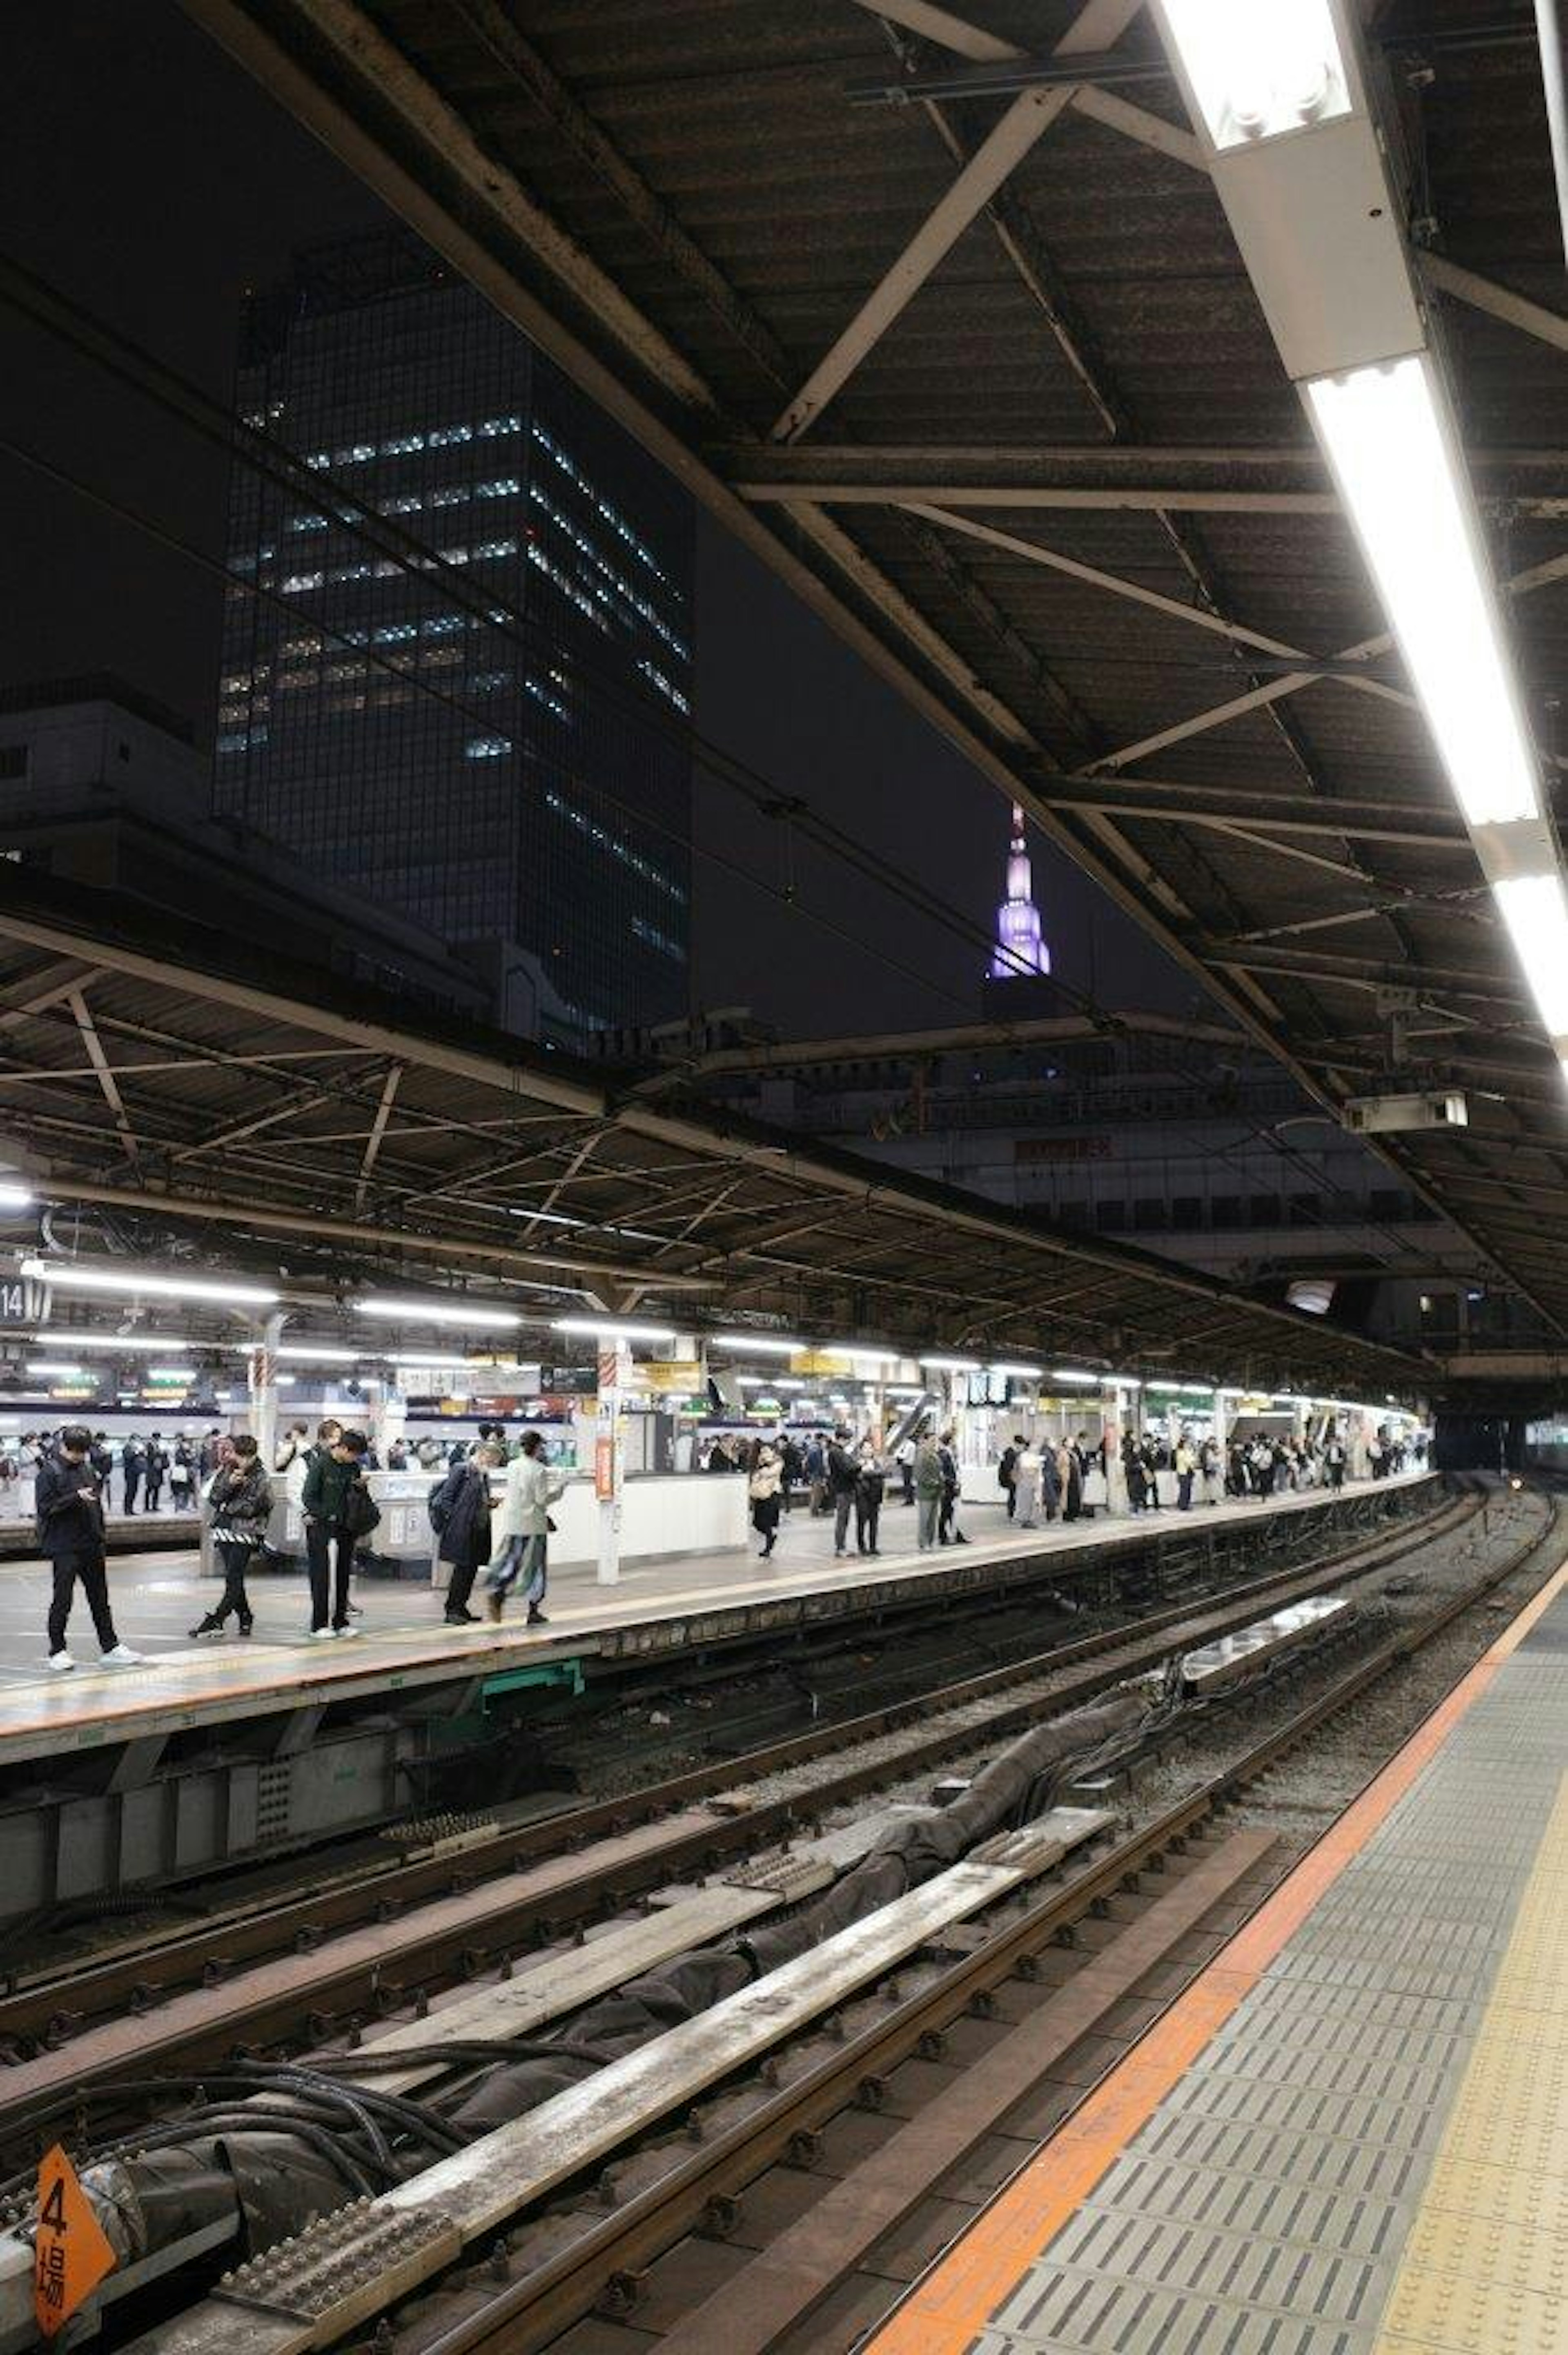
x=132, y=1464
x=330, y=1540
x=460, y=1515
x=843, y=1471
x=156, y=1465
x=70, y=1533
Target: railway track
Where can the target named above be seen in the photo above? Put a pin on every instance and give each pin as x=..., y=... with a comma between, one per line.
x=751, y=2239
x=1033, y=1970
x=308, y=1969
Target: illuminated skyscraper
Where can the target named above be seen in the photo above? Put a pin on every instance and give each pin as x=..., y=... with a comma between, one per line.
x=1021, y=946
x=514, y=777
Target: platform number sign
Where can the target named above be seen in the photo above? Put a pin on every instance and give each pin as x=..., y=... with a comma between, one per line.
x=22, y=1300
x=71, y=2253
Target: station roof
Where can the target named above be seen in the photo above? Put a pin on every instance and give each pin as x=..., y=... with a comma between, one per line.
x=1052, y=480
x=180, y=1095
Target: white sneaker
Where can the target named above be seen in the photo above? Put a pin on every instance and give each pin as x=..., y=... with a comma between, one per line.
x=345, y=1631
x=123, y=1656
x=60, y=1662
x=321, y=1635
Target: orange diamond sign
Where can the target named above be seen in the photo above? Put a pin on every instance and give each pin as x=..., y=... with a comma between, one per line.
x=71, y=2253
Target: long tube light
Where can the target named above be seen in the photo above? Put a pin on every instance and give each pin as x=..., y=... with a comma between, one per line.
x=953, y=1365
x=73, y=1276
x=311, y=1353
x=131, y=1343
x=1383, y=431
x=1074, y=1379
x=1535, y=910
x=1023, y=1373
x=437, y=1312
x=766, y=1345
x=1260, y=67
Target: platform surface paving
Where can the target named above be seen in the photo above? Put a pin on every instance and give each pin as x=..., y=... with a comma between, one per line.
x=1350, y=2137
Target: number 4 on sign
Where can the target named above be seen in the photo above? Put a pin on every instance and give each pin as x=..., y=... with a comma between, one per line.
x=70, y=2252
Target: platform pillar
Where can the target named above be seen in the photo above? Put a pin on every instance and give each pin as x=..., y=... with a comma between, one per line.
x=1110, y=1428
x=264, y=1390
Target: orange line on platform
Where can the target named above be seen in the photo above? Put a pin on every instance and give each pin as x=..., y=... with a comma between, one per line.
x=944, y=2313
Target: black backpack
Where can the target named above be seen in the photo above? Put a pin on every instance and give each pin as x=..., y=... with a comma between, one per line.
x=441, y=1499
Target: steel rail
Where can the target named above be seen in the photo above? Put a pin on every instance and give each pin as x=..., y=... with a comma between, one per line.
x=269, y=2010
x=525, y=2316
x=49, y=2013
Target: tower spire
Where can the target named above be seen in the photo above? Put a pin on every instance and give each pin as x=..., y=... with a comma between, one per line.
x=1020, y=941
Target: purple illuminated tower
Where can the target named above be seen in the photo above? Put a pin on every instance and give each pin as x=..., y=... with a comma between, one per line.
x=1020, y=945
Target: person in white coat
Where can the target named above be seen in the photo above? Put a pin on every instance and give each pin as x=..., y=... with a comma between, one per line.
x=521, y=1530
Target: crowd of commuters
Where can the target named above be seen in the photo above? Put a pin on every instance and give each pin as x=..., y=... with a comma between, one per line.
x=322, y=1473
x=834, y=1474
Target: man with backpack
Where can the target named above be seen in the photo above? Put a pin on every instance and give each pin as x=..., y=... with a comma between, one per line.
x=339, y=1510
x=843, y=1473
x=1007, y=1472
x=70, y=1532
x=460, y=1516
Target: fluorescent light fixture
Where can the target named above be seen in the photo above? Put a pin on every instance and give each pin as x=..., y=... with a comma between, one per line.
x=131, y=1342
x=453, y=1358
x=1383, y=431
x=859, y=1351
x=15, y=1195
x=171, y=1373
x=77, y=1278
x=1078, y=1380
x=1023, y=1373
x=1259, y=68
x=438, y=1312
x=313, y=1353
x=613, y=1329
x=1535, y=910
x=953, y=1365
x=764, y=1344
x=50, y=1366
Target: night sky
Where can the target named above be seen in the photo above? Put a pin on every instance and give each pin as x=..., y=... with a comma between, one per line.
x=147, y=177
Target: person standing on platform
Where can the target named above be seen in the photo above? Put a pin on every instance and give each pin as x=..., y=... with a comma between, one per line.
x=70, y=1534
x=1007, y=1472
x=929, y=1487
x=1134, y=1474
x=239, y=1506
x=1336, y=1456
x=524, y=1530
x=816, y=1474
x=132, y=1464
x=1186, y=1466
x=904, y=1457
x=1026, y=1490
x=948, y=1529
x=182, y=1476
x=843, y=1473
x=334, y=1521
x=460, y=1515
x=764, y=1490
x=158, y=1464
x=1072, y=1465
x=870, y=1486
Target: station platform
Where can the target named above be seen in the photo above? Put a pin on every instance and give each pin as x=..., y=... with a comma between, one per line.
x=402, y=1639
x=1350, y=2135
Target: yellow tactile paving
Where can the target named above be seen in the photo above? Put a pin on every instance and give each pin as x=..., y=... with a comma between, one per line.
x=1485, y=2269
